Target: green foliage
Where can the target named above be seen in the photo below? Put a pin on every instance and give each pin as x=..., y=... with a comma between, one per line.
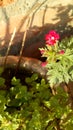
x=60, y=66
x=34, y=107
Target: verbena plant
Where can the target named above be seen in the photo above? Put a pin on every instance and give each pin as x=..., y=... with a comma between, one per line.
x=59, y=58
x=33, y=106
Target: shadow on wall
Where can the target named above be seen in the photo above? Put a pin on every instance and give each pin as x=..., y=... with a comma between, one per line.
x=62, y=23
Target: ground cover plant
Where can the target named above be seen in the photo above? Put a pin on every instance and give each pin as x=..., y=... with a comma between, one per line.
x=40, y=103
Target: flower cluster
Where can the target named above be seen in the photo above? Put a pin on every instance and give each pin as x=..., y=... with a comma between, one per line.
x=52, y=37
x=52, y=49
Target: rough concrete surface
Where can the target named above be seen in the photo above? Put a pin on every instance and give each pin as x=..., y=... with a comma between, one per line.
x=22, y=6
x=53, y=14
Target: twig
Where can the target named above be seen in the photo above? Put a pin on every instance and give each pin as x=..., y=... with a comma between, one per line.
x=10, y=43
x=23, y=43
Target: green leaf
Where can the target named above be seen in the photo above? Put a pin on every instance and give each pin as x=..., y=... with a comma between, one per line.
x=15, y=81
x=1, y=70
x=69, y=127
x=2, y=81
x=34, y=77
x=28, y=80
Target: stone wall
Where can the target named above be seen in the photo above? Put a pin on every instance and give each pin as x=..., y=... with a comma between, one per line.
x=37, y=17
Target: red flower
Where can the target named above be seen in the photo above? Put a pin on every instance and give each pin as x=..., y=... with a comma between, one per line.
x=44, y=64
x=42, y=51
x=52, y=37
x=61, y=52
